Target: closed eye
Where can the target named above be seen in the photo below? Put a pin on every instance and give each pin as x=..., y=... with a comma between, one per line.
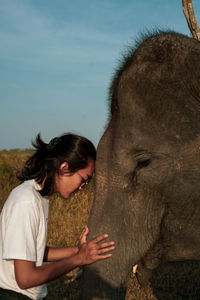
x=84, y=181
x=147, y=165
x=143, y=163
x=143, y=160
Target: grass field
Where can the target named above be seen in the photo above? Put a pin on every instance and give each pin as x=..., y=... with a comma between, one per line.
x=177, y=281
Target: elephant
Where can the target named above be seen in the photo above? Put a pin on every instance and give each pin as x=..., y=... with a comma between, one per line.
x=147, y=183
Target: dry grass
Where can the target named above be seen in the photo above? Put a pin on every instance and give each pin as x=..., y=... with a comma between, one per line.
x=10, y=163
x=66, y=219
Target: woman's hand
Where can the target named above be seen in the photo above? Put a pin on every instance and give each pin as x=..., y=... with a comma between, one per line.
x=92, y=251
x=28, y=275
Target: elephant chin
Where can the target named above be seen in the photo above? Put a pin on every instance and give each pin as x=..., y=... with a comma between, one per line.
x=98, y=288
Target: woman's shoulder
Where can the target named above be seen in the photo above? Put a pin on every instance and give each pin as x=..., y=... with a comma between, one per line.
x=24, y=192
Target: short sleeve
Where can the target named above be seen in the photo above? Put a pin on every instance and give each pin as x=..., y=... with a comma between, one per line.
x=21, y=230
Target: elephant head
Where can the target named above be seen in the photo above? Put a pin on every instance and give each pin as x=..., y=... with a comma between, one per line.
x=147, y=195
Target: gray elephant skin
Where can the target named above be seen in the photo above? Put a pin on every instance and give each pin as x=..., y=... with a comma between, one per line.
x=147, y=194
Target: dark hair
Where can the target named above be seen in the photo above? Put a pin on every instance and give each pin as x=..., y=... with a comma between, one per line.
x=45, y=162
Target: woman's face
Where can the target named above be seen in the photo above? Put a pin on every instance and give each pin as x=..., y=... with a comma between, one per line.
x=66, y=184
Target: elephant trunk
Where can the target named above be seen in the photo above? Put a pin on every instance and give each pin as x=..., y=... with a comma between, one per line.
x=106, y=279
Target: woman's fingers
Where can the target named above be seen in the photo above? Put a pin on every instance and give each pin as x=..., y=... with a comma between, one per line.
x=100, y=257
x=105, y=245
x=98, y=250
x=97, y=245
x=100, y=238
x=101, y=251
x=86, y=229
x=83, y=236
x=95, y=250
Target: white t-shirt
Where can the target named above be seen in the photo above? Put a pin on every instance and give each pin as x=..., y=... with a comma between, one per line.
x=23, y=233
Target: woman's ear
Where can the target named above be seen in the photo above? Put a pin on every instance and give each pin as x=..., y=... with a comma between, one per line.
x=64, y=168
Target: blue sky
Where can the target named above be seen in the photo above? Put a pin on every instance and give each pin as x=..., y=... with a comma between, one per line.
x=57, y=58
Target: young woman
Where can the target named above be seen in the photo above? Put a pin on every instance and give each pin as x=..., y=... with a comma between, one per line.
x=64, y=165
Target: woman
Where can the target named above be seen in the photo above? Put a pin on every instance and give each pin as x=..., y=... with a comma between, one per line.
x=64, y=166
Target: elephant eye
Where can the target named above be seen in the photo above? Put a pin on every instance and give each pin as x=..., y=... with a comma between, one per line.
x=142, y=159
x=142, y=163
x=132, y=178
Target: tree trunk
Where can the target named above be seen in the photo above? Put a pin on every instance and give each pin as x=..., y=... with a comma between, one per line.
x=191, y=20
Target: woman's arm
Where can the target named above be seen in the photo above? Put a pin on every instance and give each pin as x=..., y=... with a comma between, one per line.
x=28, y=275
x=54, y=254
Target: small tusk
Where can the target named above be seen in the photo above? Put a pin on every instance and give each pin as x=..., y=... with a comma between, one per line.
x=135, y=269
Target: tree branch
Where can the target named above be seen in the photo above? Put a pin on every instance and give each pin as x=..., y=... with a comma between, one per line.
x=190, y=17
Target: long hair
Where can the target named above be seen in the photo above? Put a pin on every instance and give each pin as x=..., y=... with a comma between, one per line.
x=45, y=162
